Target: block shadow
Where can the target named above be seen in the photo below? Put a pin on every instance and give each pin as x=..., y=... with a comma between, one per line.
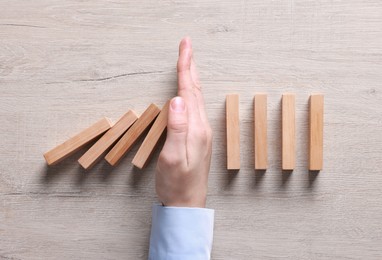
x=285, y=177
x=258, y=178
x=53, y=172
x=312, y=176
x=230, y=177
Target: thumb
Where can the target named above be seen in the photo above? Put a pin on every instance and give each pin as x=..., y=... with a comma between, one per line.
x=177, y=128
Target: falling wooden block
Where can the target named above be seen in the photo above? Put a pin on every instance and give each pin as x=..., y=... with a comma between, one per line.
x=260, y=131
x=75, y=143
x=288, y=132
x=132, y=135
x=233, y=132
x=316, y=128
x=145, y=151
x=107, y=140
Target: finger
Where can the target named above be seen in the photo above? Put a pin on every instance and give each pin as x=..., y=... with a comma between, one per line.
x=185, y=82
x=177, y=129
x=198, y=92
x=184, y=63
x=194, y=73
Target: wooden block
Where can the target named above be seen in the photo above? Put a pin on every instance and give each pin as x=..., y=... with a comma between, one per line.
x=107, y=140
x=132, y=135
x=75, y=143
x=260, y=131
x=145, y=151
x=316, y=129
x=288, y=132
x=233, y=132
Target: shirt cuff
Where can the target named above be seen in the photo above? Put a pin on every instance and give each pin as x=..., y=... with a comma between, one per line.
x=181, y=233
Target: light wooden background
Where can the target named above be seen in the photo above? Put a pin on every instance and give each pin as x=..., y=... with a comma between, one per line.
x=65, y=64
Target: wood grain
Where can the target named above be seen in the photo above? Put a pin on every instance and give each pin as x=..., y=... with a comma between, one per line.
x=132, y=135
x=70, y=146
x=233, y=132
x=316, y=132
x=146, y=149
x=65, y=64
x=260, y=145
x=288, y=131
x=107, y=140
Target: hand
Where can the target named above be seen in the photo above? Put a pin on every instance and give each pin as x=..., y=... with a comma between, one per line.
x=184, y=162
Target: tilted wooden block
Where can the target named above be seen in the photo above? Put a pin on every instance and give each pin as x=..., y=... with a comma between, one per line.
x=132, y=135
x=233, y=132
x=288, y=132
x=72, y=145
x=260, y=131
x=107, y=140
x=145, y=151
x=316, y=129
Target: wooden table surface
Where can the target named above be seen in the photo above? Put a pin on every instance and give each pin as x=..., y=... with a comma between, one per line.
x=65, y=64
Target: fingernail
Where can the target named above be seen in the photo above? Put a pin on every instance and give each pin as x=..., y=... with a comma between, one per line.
x=177, y=104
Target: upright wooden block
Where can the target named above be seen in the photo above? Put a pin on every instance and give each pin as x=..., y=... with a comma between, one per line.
x=107, y=140
x=288, y=132
x=72, y=145
x=145, y=151
x=316, y=129
x=233, y=132
x=260, y=131
x=132, y=135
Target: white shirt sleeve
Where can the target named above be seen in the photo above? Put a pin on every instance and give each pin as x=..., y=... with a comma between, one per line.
x=179, y=233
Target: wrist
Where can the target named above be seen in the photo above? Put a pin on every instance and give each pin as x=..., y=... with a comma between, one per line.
x=195, y=203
